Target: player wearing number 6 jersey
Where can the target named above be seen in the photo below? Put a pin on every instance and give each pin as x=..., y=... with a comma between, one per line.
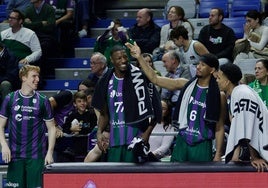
x=199, y=112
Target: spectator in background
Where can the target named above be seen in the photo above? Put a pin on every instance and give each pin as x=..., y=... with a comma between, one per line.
x=85, y=84
x=260, y=85
x=62, y=105
x=20, y=5
x=21, y=41
x=40, y=17
x=160, y=145
x=176, y=18
x=64, y=12
x=190, y=51
x=105, y=43
x=218, y=38
x=149, y=59
x=98, y=66
x=145, y=32
x=80, y=122
x=83, y=12
x=248, y=132
x=28, y=116
x=175, y=69
x=9, y=71
x=255, y=40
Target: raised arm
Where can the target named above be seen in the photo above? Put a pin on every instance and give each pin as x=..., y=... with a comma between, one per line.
x=168, y=83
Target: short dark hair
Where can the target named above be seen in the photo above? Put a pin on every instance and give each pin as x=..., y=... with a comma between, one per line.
x=264, y=62
x=220, y=12
x=232, y=72
x=20, y=14
x=117, y=48
x=88, y=83
x=211, y=60
x=177, y=32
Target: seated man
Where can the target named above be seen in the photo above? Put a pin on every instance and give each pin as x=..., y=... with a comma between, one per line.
x=21, y=41
x=40, y=17
x=217, y=37
x=145, y=32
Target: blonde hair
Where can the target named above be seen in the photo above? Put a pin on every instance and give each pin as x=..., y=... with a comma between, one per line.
x=27, y=68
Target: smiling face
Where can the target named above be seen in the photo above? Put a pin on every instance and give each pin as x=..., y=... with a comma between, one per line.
x=80, y=104
x=31, y=80
x=120, y=62
x=143, y=18
x=172, y=15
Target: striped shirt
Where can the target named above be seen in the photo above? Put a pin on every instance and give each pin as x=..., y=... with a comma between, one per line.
x=120, y=133
x=26, y=116
x=197, y=130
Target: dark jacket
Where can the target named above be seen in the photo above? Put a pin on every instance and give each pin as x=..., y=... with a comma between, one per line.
x=9, y=69
x=147, y=38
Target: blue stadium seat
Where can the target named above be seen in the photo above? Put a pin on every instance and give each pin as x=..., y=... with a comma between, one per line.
x=206, y=5
x=69, y=62
x=239, y=8
x=161, y=22
x=84, y=42
x=3, y=7
x=50, y=84
x=237, y=24
x=104, y=23
x=3, y=15
x=126, y=22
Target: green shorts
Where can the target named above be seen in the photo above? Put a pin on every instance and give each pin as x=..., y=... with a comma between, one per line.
x=182, y=152
x=120, y=154
x=25, y=173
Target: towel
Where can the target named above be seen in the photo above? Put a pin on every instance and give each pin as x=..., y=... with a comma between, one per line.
x=249, y=121
x=140, y=97
x=212, y=116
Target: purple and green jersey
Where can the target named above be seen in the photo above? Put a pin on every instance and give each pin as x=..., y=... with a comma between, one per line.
x=120, y=133
x=26, y=116
x=197, y=130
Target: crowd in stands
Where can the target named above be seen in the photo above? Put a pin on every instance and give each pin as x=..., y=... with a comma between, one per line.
x=125, y=100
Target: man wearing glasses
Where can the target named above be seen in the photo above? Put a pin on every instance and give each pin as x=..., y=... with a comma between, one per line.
x=98, y=64
x=21, y=41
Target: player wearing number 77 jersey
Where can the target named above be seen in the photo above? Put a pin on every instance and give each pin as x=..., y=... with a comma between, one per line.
x=199, y=112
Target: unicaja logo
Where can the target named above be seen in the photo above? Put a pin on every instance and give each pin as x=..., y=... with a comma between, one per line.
x=90, y=184
x=10, y=184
